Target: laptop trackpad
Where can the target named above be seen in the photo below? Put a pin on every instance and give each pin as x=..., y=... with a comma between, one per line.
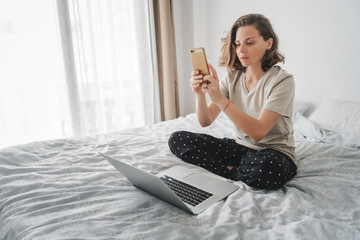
x=197, y=179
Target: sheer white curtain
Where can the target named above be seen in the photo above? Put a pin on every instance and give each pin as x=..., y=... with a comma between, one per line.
x=75, y=67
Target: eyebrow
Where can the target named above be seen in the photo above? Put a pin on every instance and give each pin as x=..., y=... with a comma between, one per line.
x=245, y=39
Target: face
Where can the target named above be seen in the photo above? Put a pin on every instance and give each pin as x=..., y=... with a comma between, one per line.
x=251, y=46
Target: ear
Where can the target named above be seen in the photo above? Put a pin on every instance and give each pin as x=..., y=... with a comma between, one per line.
x=269, y=43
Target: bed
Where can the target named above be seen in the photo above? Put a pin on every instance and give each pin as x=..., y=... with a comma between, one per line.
x=63, y=189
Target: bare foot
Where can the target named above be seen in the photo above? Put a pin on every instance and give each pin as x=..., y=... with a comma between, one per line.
x=229, y=167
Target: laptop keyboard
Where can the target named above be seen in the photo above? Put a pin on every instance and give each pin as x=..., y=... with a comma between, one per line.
x=189, y=194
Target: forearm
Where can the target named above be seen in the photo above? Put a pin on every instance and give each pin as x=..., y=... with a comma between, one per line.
x=247, y=124
x=256, y=129
x=206, y=113
x=202, y=110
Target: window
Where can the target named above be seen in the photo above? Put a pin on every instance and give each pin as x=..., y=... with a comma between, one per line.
x=74, y=67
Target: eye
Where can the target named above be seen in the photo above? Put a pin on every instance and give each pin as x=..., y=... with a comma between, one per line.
x=250, y=43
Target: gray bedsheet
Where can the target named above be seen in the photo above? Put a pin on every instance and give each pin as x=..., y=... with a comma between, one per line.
x=62, y=189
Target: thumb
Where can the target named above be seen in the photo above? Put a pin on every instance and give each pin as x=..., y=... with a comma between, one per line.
x=213, y=71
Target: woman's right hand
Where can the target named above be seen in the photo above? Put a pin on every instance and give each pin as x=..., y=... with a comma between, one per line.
x=196, y=82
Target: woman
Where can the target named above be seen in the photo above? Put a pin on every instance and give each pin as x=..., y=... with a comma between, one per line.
x=257, y=96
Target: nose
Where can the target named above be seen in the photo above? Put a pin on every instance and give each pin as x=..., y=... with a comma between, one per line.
x=241, y=49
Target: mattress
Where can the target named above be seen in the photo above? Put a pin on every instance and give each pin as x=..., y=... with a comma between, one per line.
x=63, y=189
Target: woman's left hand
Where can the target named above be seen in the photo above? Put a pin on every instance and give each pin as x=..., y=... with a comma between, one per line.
x=212, y=86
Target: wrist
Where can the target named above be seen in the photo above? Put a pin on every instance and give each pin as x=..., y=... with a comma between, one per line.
x=226, y=106
x=223, y=103
x=200, y=95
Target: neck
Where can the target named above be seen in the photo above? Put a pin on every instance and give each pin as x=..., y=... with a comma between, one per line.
x=253, y=74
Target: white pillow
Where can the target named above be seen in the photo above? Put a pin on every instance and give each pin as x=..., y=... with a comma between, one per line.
x=307, y=128
x=338, y=115
x=300, y=106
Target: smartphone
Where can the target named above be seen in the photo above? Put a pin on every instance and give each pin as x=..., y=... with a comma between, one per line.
x=199, y=61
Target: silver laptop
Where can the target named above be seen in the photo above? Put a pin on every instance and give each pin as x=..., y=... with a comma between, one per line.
x=185, y=188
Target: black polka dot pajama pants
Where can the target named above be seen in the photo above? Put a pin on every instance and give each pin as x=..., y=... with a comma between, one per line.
x=264, y=169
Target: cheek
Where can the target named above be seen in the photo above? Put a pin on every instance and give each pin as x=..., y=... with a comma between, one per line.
x=259, y=52
x=237, y=52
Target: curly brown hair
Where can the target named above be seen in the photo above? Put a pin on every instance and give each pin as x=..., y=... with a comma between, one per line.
x=272, y=56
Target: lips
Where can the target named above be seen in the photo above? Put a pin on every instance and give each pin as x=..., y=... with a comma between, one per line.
x=244, y=58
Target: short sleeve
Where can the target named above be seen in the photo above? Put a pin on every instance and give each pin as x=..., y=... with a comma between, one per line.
x=281, y=97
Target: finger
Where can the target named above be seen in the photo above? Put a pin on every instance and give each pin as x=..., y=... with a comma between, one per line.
x=208, y=79
x=194, y=73
x=205, y=86
x=194, y=86
x=198, y=77
x=213, y=71
x=197, y=81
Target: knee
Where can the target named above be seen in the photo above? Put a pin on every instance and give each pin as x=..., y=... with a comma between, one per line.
x=274, y=173
x=263, y=171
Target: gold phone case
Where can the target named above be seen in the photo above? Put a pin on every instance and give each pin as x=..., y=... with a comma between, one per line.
x=199, y=61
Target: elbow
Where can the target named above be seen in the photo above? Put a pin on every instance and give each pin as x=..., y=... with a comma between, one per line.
x=204, y=124
x=257, y=137
x=258, y=133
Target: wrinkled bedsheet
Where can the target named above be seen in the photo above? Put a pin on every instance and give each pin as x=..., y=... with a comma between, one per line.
x=63, y=189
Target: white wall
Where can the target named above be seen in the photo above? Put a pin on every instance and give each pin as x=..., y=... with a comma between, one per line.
x=320, y=40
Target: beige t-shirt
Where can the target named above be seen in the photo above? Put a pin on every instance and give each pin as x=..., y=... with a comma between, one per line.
x=275, y=92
